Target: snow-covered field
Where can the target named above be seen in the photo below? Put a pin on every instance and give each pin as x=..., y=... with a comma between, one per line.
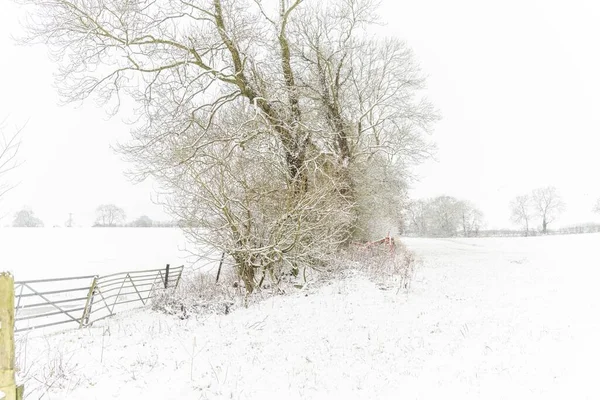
x=514, y=318
x=39, y=253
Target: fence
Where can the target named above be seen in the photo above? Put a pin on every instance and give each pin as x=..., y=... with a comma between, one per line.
x=83, y=300
x=387, y=243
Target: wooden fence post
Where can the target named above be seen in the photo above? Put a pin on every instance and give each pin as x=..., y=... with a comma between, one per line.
x=167, y=277
x=220, y=265
x=89, y=302
x=178, y=278
x=8, y=386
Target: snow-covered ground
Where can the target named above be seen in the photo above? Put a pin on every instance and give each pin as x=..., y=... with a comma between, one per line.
x=39, y=253
x=514, y=318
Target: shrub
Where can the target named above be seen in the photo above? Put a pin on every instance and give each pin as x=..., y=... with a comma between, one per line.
x=197, y=294
x=380, y=263
x=200, y=294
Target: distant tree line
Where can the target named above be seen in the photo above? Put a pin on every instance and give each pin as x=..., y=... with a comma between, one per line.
x=534, y=212
x=111, y=216
x=565, y=230
x=443, y=216
x=107, y=216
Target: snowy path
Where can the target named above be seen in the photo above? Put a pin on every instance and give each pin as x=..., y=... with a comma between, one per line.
x=486, y=319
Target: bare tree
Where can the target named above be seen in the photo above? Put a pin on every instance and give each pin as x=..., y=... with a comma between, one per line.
x=596, y=208
x=471, y=218
x=9, y=148
x=521, y=208
x=27, y=219
x=547, y=204
x=365, y=89
x=70, y=222
x=379, y=197
x=270, y=131
x=445, y=215
x=109, y=215
x=246, y=208
x=419, y=217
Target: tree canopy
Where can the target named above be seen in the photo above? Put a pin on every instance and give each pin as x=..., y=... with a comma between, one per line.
x=278, y=130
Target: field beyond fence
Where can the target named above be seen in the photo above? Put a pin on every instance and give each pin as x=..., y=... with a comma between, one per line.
x=83, y=300
x=566, y=230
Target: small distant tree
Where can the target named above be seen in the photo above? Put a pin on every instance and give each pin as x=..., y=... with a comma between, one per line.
x=547, y=204
x=471, y=218
x=109, y=215
x=521, y=208
x=417, y=215
x=445, y=214
x=142, y=222
x=597, y=207
x=26, y=219
x=69, y=223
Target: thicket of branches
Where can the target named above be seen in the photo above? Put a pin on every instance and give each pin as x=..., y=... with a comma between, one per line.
x=443, y=216
x=279, y=130
x=9, y=148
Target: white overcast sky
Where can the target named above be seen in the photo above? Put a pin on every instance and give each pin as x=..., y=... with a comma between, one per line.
x=517, y=83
